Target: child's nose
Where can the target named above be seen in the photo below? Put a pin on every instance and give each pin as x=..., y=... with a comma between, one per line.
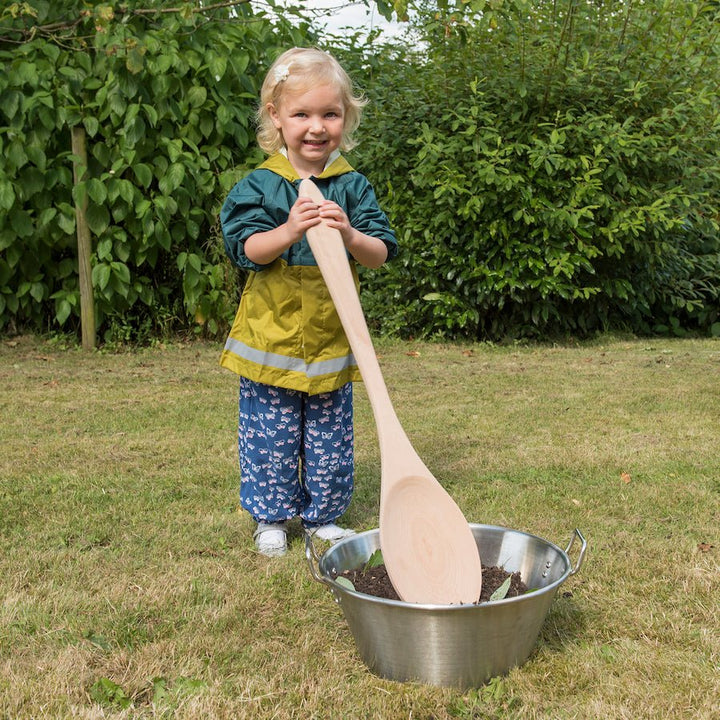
x=317, y=125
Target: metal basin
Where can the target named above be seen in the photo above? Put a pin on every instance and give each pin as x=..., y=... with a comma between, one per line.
x=455, y=645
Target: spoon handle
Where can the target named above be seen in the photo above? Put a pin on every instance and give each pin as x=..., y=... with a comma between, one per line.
x=331, y=257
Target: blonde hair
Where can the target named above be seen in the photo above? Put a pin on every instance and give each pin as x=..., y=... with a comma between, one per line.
x=297, y=71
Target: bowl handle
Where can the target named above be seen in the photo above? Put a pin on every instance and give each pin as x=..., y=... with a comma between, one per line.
x=313, y=560
x=583, y=548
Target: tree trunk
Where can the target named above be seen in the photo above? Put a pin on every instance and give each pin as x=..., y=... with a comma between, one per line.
x=87, y=300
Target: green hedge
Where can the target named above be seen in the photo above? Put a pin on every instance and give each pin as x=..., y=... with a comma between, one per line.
x=167, y=102
x=551, y=168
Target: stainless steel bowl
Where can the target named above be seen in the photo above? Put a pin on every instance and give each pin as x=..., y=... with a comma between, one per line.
x=456, y=645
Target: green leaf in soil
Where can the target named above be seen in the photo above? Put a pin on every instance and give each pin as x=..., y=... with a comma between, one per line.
x=340, y=580
x=502, y=591
x=374, y=560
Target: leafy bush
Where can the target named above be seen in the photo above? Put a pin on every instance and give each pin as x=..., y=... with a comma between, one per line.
x=166, y=100
x=550, y=168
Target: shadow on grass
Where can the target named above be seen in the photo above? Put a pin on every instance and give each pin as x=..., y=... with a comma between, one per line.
x=564, y=624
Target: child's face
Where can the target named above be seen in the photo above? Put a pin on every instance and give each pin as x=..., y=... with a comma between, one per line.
x=311, y=124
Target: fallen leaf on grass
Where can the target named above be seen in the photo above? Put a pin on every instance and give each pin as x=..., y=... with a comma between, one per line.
x=413, y=353
x=625, y=477
x=206, y=552
x=705, y=547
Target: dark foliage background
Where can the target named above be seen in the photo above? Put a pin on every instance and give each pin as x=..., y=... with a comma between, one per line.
x=551, y=167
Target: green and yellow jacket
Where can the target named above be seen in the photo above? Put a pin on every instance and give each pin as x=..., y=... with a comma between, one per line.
x=287, y=332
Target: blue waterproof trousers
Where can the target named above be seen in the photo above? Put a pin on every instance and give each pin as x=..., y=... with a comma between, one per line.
x=296, y=453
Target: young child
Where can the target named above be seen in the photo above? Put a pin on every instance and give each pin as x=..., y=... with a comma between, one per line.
x=295, y=435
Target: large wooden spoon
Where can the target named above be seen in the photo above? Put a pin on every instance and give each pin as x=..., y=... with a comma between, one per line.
x=427, y=545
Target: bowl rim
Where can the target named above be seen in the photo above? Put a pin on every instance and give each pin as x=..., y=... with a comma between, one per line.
x=467, y=607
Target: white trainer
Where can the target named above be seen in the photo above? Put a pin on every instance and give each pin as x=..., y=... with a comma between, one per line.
x=331, y=532
x=270, y=539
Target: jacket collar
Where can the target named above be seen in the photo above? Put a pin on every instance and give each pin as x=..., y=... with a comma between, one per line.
x=279, y=164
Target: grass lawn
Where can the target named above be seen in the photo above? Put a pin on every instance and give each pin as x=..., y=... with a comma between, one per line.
x=130, y=586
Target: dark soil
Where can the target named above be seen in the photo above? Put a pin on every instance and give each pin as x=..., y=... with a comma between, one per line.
x=375, y=581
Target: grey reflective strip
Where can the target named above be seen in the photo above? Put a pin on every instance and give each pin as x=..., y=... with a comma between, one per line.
x=282, y=362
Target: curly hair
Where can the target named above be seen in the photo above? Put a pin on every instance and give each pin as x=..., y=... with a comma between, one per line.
x=297, y=71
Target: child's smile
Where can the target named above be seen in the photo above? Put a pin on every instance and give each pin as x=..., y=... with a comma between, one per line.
x=311, y=124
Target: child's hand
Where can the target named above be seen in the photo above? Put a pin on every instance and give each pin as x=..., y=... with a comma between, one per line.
x=303, y=215
x=336, y=218
x=367, y=250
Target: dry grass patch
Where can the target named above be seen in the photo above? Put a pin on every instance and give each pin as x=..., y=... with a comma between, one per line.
x=130, y=586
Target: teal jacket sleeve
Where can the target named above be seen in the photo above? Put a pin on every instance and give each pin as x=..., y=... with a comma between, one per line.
x=258, y=203
x=371, y=220
x=354, y=193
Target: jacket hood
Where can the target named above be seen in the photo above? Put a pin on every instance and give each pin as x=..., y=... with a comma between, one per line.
x=279, y=164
